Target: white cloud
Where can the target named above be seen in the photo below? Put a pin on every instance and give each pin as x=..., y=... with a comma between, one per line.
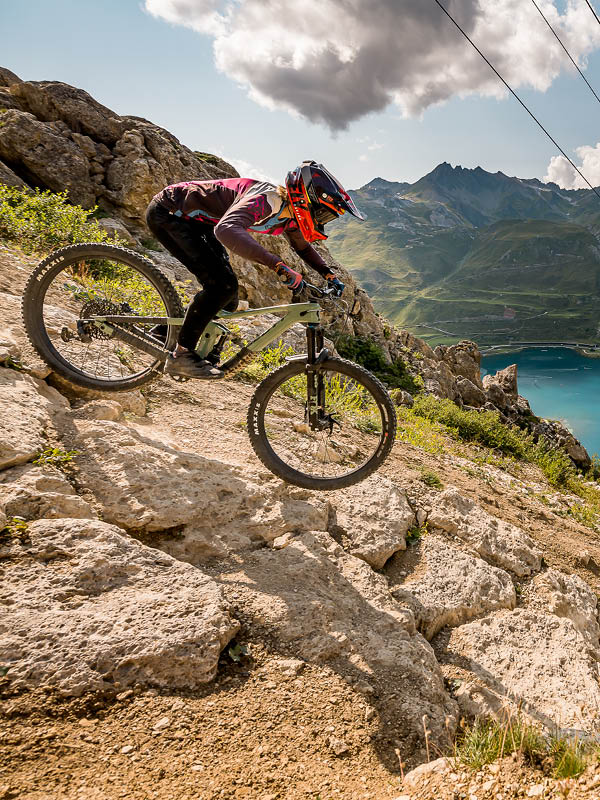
x=562, y=173
x=334, y=61
x=248, y=170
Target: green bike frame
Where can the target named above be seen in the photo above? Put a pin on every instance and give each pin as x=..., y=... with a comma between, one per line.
x=300, y=312
x=216, y=332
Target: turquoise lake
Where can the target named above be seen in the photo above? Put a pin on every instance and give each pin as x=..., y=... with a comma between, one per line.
x=560, y=384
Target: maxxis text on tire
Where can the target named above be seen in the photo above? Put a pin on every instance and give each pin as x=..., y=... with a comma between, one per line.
x=266, y=454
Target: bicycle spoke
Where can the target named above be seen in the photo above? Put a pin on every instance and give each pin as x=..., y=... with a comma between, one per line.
x=351, y=426
x=95, y=288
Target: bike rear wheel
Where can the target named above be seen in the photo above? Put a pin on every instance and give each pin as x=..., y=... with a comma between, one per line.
x=87, y=280
x=357, y=440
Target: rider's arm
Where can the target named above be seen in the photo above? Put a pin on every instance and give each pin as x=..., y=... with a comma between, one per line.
x=231, y=232
x=307, y=253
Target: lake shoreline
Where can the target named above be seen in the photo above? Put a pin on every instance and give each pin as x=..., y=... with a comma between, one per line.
x=501, y=350
x=559, y=383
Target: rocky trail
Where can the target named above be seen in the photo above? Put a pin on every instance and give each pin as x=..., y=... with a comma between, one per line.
x=179, y=623
x=175, y=622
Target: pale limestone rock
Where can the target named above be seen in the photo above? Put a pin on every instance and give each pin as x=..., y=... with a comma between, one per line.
x=418, y=775
x=506, y=379
x=327, y=606
x=9, y=349
x=116, y=229
x=223, y=508
x=373, y=518
x=102, y=409
x=528, y=659
x=470, y=394
x=569, y=596
x=438, y=379
x=90, y=609
x=133, y=402
x=497, y=541
x=27, y=408
x=495, y=393
x=32, y=492
x=463, y=359
x=452, y=587
x=56, y=161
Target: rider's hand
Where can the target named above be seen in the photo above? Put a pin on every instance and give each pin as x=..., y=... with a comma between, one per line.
x=335, y=283
x=292, y=279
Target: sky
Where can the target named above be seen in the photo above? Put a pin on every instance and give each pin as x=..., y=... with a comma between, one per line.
x=383, y=88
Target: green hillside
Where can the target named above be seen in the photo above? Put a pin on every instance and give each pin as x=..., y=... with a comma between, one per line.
x=467, y=253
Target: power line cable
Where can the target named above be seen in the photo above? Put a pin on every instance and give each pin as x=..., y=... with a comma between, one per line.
x=566, y=51
x=590, y=6
x=517, y=98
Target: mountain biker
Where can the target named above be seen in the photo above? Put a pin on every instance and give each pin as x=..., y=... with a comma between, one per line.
x=196, y=220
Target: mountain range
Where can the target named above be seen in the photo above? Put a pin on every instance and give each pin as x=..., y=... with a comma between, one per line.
x=465, y=253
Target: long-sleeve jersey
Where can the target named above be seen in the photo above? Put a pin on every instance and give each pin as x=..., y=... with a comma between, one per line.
x=238, y=205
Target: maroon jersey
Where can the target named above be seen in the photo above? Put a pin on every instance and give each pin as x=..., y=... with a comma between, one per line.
x=238, y=205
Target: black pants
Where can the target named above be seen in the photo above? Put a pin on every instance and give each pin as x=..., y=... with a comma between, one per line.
x=195, y=245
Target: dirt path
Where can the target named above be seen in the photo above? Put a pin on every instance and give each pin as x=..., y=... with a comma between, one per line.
x=267, y=727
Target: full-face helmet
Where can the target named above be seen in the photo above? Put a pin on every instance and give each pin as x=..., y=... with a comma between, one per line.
x=317, y=197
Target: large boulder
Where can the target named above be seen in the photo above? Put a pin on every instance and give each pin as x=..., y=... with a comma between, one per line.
x=506, y=379
x=28, y=408
x=44, y=156
x=530, y=661
x=328, y=607
x=450, y=587
x=142, y=483
x=32, y=492
x=568, y=596
x=84, y=608
x=464, y=360
x=470, y=394
x=372, y=519
x=497, y=541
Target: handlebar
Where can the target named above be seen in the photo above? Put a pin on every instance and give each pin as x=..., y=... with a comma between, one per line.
x=317, y=290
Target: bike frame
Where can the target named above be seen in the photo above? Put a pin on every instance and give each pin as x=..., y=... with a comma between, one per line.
x=305, y=313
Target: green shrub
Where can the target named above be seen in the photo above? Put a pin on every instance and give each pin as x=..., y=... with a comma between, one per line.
x=487, y=429
x=265, y=362
x=56, y=457
x=370, y=356
x=41, y=221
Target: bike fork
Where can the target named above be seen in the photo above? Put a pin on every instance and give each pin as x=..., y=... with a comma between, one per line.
x=315, y=389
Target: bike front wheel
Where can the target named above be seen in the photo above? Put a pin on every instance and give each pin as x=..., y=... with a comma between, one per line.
x=357, y=431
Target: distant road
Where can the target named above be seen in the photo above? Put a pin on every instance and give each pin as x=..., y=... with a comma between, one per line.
x=511, y=345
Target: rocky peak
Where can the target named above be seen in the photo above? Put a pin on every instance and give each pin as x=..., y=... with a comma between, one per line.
x=58, y=137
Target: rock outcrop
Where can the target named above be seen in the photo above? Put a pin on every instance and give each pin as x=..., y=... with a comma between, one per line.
x=85, y=608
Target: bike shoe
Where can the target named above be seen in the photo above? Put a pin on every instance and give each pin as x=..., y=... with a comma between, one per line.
x=191, y=365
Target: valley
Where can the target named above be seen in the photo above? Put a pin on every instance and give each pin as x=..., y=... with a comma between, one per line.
x=470, y=254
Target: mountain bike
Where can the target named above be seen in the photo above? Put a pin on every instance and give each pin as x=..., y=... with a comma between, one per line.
x=105, y=317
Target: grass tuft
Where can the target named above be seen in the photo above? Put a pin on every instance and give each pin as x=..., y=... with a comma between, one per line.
x=489, y=739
